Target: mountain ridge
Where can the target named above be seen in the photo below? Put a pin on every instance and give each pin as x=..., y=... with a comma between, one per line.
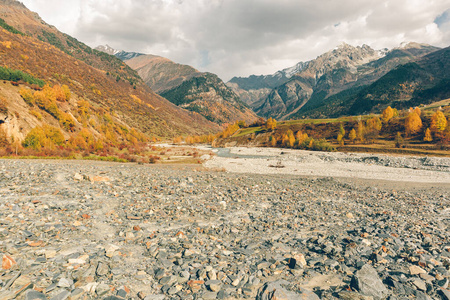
x=342, y=68
x=201, y=92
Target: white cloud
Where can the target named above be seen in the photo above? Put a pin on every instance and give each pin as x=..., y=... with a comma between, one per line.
x=243, y=37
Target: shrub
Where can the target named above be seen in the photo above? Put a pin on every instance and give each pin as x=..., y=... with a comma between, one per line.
x=17, y=75
x=37, y=114
x=44, y=137
x=27, y=96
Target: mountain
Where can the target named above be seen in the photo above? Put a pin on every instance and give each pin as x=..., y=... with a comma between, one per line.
x=251, y=89
x=208, y=95
x=160, y=73
x=420, y=82
x=101, y=94
x=191, y=89
x=120, y=54
x=344, y=69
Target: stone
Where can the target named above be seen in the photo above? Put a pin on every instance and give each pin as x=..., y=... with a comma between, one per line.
x=416, y=270
x=102, y=269
x=444, y=293
x=419, y=284
x=61, y=296
x=34, y=295
x=8, y=262
x=275, y=291
x=102, y=289
x=347, y=295
x=214, y=285
x=367, y=282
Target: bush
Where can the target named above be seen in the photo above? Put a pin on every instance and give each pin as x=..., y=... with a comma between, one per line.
x=27, y=96
x=44, y=137
x=17, y=75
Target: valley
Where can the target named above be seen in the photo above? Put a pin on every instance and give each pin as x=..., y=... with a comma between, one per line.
x=129, y=175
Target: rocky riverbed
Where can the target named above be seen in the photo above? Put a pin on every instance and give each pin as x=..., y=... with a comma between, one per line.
x=95, y=230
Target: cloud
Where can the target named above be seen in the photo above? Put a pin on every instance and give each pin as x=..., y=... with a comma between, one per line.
x=243, y=37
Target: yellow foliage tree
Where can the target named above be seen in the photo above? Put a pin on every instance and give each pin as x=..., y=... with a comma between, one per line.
x=290, y=139
x=352, y=135
x=271, y=124
x=387, y=114
x=413, y=123
x=438, y=121
x=428, y=137
x=340, y=139
x=361, y=131
x=417, y=111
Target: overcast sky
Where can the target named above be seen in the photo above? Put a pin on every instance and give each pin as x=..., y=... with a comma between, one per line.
x=244, y=37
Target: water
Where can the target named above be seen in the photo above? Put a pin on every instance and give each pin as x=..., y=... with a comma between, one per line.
x=226, y=152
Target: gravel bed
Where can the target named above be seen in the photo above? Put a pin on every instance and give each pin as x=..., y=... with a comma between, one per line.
x=98, y=230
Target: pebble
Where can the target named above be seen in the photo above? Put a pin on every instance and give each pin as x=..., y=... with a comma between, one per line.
x=129, y=231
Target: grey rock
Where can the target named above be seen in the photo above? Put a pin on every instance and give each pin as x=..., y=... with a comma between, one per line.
x=61, y=296
x=444, y=293
x=102, y=289
x=34, y=295
x=214, y=285
x=275, y=290
x=368, y=283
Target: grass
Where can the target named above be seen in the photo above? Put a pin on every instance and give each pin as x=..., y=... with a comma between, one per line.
x=437, y=104
x=249, y=130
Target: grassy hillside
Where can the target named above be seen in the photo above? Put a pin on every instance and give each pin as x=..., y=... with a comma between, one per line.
x=104, y=100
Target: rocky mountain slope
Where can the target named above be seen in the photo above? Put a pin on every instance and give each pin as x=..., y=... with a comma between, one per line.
x=191, y=89
x=160, y=73
x=120, y=54
x=106, y=96
x=342, y=70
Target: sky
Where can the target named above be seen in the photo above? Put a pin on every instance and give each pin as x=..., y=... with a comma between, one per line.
x=245, y=37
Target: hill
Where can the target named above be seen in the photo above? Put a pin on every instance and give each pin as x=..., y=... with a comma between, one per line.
x=191, y=89
x=105, y=98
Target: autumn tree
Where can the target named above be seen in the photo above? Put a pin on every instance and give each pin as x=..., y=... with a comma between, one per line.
x=373, y=128
x=271, y=124
x=340, y=139
x=399, y=140
x=413, y=123
x=361, y=131
x=44, y=137
x=387, y=114
x=438, y=122
x=352, y=135
x=342, y=130
x=300, y=137
x=272, y=141
x=427, y=137
x=417, y=111
x=3, y=138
